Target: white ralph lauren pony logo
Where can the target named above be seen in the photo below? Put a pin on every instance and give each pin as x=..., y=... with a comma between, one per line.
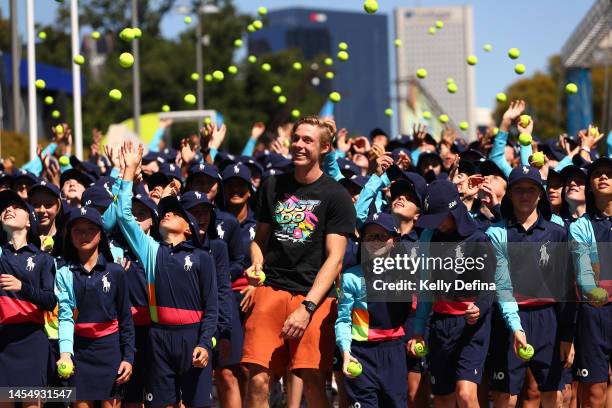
x=105, y=283
x=525, y=169
x=188, y=263
x=236, y=169
x=198, y=195
x=83, y=211
x=426, y=203
x=375, y=216
x=30, y=263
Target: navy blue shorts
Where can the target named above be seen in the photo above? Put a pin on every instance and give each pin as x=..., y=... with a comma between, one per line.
x=382, y=382
x=508, y=371
x=134, y=389
x=172, y=377
x=236, y=339
x=96, y=362
x=415, y=365
x=24, y=355
x=593, y=343
x=457, y=350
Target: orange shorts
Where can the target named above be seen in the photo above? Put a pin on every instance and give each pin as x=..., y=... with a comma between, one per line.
x=264, y=345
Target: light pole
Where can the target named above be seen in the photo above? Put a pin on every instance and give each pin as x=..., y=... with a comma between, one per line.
x=76, y=79
x=15, y=60
x=32, y=125
x=136, y=70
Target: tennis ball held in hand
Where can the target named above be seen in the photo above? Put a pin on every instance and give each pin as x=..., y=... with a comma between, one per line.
x=526, y=353
x=354, y=368
x=65, y=370
x=420, y=349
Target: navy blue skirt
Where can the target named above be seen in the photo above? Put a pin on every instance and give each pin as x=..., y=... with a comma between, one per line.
x=24, y=355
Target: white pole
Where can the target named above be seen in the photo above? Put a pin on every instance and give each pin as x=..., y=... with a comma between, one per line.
x=32, y=116
x=76, y=79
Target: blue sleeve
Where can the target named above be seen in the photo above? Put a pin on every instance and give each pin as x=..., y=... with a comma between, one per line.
x=249, y=147
x=210, y=306
x=344, y=322
x=525, y=152
x=503, y=283
x=114, y=175
x=235, y=249
x=330, y=166
x=609, y=143
x=213, y=154
x=109, y=218
x=414, y=156
x=43, y=295
x=124, y=315
x=368, y=193
x=498, y=152
x=142, y=244
x=224, y=288
x=424, y=298
x=66, y=306
x=35, y=166
x=566, y=161
x=584, y=254
x=66, y=167
x=157, y=137
x=340, y=154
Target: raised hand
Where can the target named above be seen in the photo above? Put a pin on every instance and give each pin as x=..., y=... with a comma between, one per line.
x=131, y=156
x=419, y=132
x=257, y=130
x=344, y=144
x=383, y=163
x=515, y=110
x=218, y=135
x=449, y=135
x=188, y=152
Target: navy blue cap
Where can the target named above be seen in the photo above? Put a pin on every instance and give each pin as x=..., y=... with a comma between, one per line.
x=237, y=171
x=441, y=199
x=433, y=156
x=157, y=179
x=169, y=154
x=87, y=213
x=224, y=159
x=144, y=199
x=348, y=167
x=10, y=197
x=153, y=156
x=277, y=161
x=526, y=173
x=551, y=149
x=24, y=176
x=359, y=181
x=45, y=185
x=385, y=220
x=87, y=167
x=412, y=183
x=92, y=215
x=489, y=168
x=192, y=199
x=74, y=174
x=472, y=155
x=401, y=141
x=467, y=167
x=106, y=182
x=429, y=139
x=271, y=172
x=171, y=171
x=572, y=171
x=396, y=152
x=97, y=196
x=459, y=146
x=602, y=161
x=6, y=177
x=205, y=169
x=251, y=164
x=173, y=204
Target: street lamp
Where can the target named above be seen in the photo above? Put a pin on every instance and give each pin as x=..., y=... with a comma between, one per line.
x=201, y=10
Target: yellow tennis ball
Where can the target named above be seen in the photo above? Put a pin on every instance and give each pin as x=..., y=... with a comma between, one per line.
x=115, y=95
x=190, y=99
x=126, y=60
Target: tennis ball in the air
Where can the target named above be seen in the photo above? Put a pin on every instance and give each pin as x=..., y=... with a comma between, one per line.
x=389, y=112
x=64, y=160
x=95, y=35
x=525, y=139
x=207, y=120
x=65, y=370
x=251, y=28
x=354, y=368
x=49, y=100
x=55, y=114
x=295, y=113
x=501, y=97
x=137, y=32
x=266, y=67
x=59, y=130
x=571, y=88
x=126, y=60
x=526, y=353
x=335, y=97
x=538, y=159
x=426, y=115
x=420, y=349
x=524, y=120
x=127, y=34
x=450, y=80
x=115, y=94
x=79, y=59
x=520, y=69
x=237, y=43
x=252, y=59
x=329, y=75
x=40, y=84
x=258, y=24
x=343, y=56
x=495, y=131
x=208, y=78
x=297, y=66
x=370, y=6
x=282, y=99
x=487, y=47
x=262, y=11
x=328, y=61
x=472, y=60
x=165, y=108
x=218, y=75
x=432, y=30
x=439, y=24
x=421, y=73
x=599, y=295
x=187, y=20
x=514, y=53
x=343, y=46
x=42, y=35
x=398, y=42
x=195, y=76
x=48, y=243
x=452, y=87
x=463, y=125
x=232, y=69
x=190, y=99
x=443, y=118
x=277, y=89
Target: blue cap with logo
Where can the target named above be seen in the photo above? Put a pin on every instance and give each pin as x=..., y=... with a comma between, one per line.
x=441, y=200
x=385, y=220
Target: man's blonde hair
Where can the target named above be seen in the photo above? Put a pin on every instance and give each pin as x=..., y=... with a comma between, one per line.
x=327, y=128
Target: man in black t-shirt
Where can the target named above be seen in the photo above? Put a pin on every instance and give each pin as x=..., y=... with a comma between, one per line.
x=303, y=222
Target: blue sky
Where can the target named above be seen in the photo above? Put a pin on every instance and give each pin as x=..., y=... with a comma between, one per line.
x=539, y=28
